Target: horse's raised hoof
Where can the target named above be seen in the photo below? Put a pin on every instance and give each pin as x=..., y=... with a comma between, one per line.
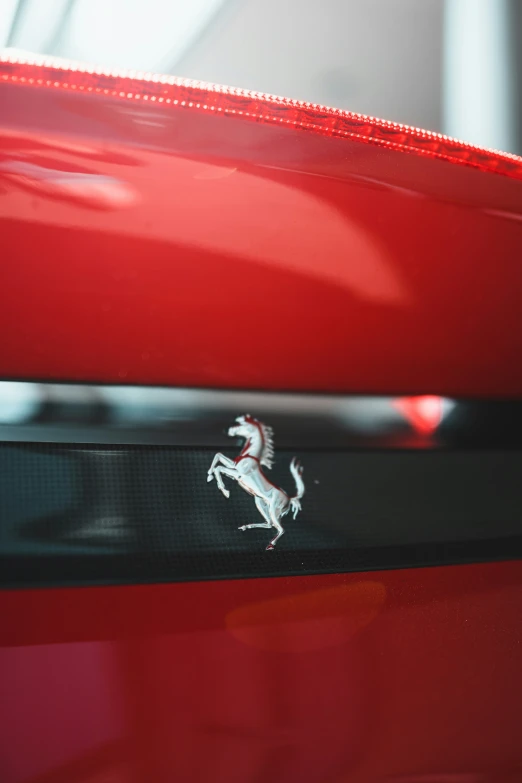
x=243, y=527
x=210, y=476
x=226, y=493
x=269, y=547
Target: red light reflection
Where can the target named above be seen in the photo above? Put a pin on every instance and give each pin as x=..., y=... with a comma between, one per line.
x=423, y=413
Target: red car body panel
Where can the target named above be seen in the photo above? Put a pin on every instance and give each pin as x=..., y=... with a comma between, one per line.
x=401, y=675
x=169, y=241
x=164, y=245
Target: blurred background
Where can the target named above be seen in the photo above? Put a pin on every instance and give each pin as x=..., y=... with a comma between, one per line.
x=453, y=66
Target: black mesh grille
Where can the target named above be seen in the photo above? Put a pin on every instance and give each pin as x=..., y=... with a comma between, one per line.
x=76, y=514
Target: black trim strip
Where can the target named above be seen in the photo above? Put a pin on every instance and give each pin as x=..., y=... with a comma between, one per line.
x=70, y=571
x=76, y=514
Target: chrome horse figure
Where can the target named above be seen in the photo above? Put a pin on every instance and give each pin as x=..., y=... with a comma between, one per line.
x=272, y=502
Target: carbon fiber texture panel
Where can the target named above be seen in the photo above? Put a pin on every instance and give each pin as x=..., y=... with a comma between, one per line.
x=71, y=514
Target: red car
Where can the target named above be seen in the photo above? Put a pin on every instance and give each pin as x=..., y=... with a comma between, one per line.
x=222, y=310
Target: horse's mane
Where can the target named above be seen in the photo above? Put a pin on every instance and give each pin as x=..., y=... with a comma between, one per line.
x=267, y=433
x=267, y=457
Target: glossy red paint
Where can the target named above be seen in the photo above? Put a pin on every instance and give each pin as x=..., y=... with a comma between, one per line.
x=396, y=676
x=155, y=243
x=267, y=244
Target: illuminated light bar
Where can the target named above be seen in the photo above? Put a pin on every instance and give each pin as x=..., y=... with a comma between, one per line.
x=54, y=73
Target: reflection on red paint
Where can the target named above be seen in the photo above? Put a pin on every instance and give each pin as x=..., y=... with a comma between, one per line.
x=317, y=618
x=86, y=188
x=423, y=413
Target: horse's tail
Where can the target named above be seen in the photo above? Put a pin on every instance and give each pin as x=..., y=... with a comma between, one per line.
x=296, y=470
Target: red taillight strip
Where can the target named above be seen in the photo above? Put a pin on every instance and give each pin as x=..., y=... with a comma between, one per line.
x=39, y=71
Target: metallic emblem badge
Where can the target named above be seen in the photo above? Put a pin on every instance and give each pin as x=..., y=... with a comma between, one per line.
x=272, y=502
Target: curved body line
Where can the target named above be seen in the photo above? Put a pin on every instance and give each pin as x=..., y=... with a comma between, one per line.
x=271, y=501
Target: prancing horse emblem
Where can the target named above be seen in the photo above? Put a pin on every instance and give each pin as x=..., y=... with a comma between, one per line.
x=272, y=502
